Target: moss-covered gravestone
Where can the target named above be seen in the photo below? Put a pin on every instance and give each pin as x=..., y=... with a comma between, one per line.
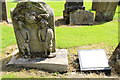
x=34, y=30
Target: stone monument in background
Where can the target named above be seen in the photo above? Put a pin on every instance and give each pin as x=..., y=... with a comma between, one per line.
x=3, y=11
x=105, y=11
x=75, y=13
x=34, y=29
x=71, y=6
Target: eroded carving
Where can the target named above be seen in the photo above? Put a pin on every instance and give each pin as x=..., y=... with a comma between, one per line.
x=34, y=28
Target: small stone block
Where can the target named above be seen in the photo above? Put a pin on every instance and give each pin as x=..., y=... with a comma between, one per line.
x=57, y=64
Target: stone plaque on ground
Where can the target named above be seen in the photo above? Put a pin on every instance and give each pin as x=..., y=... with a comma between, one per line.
x=34, y=30
x=94, y=59
x=105, y=11
x=81, y=17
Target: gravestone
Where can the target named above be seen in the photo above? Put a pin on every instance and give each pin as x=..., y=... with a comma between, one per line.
x=3, y=11
x=105, y=11
x=95, y=4
x=34, y=30
x=71, y=6
x=115, y=59
x=81, y=17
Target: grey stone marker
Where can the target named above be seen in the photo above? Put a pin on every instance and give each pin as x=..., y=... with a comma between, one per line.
x=3, y=11
x=71, y=6
x=94, y=59
x=34, y=30
x=105, y=11
x=81, y=17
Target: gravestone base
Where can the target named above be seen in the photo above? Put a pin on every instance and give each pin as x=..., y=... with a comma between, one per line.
x=56, y=64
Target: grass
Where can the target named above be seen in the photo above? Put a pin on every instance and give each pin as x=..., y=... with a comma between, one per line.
x=8, y=37
x=70, y=37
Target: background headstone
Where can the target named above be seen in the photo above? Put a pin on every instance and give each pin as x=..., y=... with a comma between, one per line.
x=34, y=29
x=3, y=11
x=71, y=6
x=115, y=59
x=81, y=17
x=105, y=11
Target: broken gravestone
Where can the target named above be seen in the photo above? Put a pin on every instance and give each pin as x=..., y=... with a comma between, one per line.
x=34, y=29
x=71, y=6
x=3, y=11
x=115, y=59
x=105, y=11
x=81, y=17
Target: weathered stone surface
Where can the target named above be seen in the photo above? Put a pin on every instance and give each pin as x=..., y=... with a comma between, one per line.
x=34, y=29
x=81, y=17
x=3, y=11
x=105, y=11
x=115, y=59
x=71, y=6
x=58, y=63
x=95, y=5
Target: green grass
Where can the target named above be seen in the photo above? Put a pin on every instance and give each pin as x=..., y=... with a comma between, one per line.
x=8, y=76
x=70, y=37
x=8, y=37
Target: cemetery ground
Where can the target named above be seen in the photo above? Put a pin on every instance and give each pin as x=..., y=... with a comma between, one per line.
x=99, y=36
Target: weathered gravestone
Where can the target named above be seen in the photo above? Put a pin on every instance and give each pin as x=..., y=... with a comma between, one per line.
x=95, y=4
x=3, y=11
x=81, y=17
x=115, y=59
x=34, y=29
x=71, y=6
x=105, y=11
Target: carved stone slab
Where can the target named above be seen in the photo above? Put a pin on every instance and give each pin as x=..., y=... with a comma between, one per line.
x=58, y=63
x=81, y=17
x=34, y=29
